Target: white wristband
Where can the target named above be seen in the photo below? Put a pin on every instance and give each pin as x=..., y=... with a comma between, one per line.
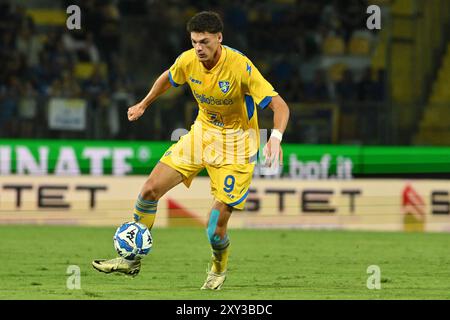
x=277, y=134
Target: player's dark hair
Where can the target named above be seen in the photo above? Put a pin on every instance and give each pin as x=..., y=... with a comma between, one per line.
x=205, y=21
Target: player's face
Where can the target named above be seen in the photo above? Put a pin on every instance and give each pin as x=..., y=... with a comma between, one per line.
x=206, y=44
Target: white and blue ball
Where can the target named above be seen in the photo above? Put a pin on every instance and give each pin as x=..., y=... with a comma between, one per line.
x=133, y=240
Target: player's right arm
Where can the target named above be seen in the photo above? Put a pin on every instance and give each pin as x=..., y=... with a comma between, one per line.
x=175, y=77
x=161, y=85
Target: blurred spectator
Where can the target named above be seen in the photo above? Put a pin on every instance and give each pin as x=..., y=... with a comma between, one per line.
x=138, y=39
x=61, y=58
x=133, y=7
x=44, y=73
x=282, y=70
x=7, y=43
x=370, y=89
x=118, y=73
x=109, y=33
x=293, y=91
x=9, y=103
x=380, y=85
x=352, y=14
x=90, y=50
x=121, y=100
x=313, y=42
x=346, y=89
x=96, y=84
x=331, y=19
x=29, y=44
x=69, y=85
x=83, y=48
x=28, y=110
x=235, y=16
x=317, y=90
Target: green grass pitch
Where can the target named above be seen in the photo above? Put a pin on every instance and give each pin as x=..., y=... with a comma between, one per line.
x=264, y=264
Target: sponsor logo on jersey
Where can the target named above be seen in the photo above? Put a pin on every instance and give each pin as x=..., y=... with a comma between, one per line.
x=195, y=80
x=202, y=98
x=215, y=119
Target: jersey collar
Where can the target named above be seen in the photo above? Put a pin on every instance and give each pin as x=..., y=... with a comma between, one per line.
x=218, y=64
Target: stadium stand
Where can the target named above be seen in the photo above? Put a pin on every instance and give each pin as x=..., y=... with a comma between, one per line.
x=309, y=60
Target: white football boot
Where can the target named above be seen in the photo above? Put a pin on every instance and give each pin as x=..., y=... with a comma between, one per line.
x=122, y=265
x=214, y=281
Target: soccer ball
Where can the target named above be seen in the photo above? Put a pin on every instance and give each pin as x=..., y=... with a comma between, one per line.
x=133, y=240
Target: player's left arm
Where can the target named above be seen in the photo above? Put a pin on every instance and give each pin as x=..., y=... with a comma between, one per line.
x=265, y=95
x=273, y=151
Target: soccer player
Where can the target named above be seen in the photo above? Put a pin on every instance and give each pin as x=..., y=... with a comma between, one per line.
x=228, y=89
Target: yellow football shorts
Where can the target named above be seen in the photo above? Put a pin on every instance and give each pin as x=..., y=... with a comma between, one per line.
x=230, y=182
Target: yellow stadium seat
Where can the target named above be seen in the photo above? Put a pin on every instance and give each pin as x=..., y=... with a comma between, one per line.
x=336, y=72
x=333, y=46
x=48, y=17
x=84, y=70
x=359, y=46
x=403, y=7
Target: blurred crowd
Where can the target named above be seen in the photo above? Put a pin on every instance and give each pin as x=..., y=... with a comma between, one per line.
x=283, y=38
x=37, y=64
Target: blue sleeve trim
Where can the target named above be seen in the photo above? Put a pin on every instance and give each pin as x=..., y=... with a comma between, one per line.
x=265, y=102
x=173, y=83
x=240, y=200
x=250, y=104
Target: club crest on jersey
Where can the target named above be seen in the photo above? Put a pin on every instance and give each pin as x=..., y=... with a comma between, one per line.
x=224, y=86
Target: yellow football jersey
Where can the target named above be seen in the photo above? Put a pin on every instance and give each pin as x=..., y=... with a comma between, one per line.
x=227, y=97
